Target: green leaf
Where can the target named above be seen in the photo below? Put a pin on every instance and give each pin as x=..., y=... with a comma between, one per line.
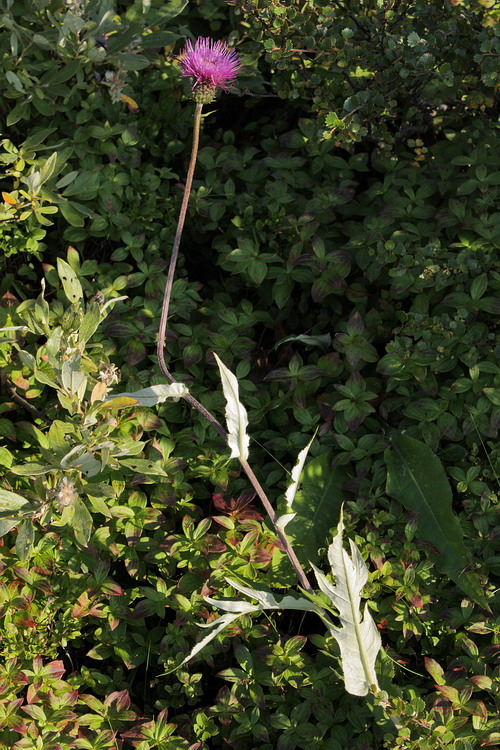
x=317, y=507
x=71, y=214
x=493, y=394
x=48, y=170
x=25, y=539
x=257, y=270
x=61, y=75
x=12, y=508
x=81, y=522
x=90, y=322
x=479, y=286
x=322, y=341
x=163, y=13
x=72, y=377
x=72, y=287
x=6, y=457
x=415, y=477
x=20, y=112
x=31, y=469
x=143, y=466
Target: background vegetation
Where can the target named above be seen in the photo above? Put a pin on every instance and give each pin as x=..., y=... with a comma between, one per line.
x=340, y=256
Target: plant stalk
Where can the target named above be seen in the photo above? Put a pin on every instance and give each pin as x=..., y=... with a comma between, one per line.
x=160, y=349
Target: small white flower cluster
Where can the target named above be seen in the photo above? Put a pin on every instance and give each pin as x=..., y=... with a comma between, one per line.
x=109, y=374
x=66, y=493
x=76, y=7
x=115, y=80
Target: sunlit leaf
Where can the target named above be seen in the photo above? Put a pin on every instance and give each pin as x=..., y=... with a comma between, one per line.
x=154, y=394
x=236, y=416
x=358, y=638
x=71, y=285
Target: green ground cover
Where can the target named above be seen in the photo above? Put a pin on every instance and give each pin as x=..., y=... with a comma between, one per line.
x=340, y=257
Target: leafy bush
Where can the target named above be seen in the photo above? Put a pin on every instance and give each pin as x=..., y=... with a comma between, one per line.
x=350, y=282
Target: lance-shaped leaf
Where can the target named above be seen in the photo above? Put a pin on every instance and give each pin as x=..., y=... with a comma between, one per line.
x=236, y=416
x=316, y=504
x=151, y=396
x=237, y=607
x=358, y=638
x=416, y=477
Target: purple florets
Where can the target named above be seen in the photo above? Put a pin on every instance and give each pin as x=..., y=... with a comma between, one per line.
x=210, y=63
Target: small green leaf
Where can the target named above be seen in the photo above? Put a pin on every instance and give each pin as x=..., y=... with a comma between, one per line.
x=12, y=508
x=71, y=285
x=479, y=286
x=48, y=169
x=25, y=539
x=493, y=394
x=81, y=522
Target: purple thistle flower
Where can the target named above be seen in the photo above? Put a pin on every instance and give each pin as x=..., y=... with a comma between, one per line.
x=210, y=63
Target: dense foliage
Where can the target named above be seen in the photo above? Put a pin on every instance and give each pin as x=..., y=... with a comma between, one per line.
x=340, y=256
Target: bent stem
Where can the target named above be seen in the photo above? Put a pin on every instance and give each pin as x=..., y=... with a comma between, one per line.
x=160, y=349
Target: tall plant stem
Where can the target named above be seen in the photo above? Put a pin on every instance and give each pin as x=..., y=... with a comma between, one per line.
x=190, y=399
x=280, y=533
x=160, y=347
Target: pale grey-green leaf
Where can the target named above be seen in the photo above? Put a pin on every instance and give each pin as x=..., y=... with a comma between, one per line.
x=154, y=394
x=236, y=416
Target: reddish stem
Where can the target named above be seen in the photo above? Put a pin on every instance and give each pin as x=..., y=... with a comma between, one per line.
x=190, y=399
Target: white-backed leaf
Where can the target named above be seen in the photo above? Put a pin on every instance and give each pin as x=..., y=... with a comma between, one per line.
x=283, y=520
x=235, y=606
x=268, y=601
x=238, y=607
x=236, y=416
x=216, y=628
x=153, y=395
x=358, y=638
x=112, y=301
x=296, y=472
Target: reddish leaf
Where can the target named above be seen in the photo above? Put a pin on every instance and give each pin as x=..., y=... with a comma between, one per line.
x=120, y=698
x=449, y=692
x=80, y=609
x=416, y=600
x=482, y=681
x=112, y=589
x=434, y=669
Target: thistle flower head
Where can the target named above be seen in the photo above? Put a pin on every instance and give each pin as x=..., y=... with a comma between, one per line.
x=211, y=64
